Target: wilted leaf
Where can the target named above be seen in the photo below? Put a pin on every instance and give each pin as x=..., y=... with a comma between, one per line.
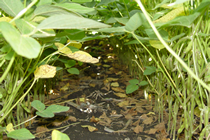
x=90, y=128
x=118, y=89
x=138, y=129
x=149, y=120
x=121, y=95
x=75, y=44
x=45, y=71
x=115, y=84
x=123, y=103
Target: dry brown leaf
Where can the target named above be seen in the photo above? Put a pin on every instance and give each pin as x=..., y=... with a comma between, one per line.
x=115, y=84
x=64, y=88
x=121, y=95
x=56, y=123
x=128, y=116
x=71, y=118
x=138, y=129
x=92, y=85
x=93, y=119
x=110, y=79
x=104, y=120
x=90, y=128
x=117, y=89
x=152, y=131
x=45, y=71
x=123, y=103
x=140, y=110
x=149, y=120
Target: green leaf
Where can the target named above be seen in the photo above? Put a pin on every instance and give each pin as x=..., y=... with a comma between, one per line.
x=113, y=29
x=22, y=45
x=50, y=10
x=21, y=134
x=38, y=105
x=25, y=108
x=149, y=70
x=11, y=7
x=134, y=22
x=143, y=83
x=131, y=88
x=69, y=22
x=180, y=21
x=57, y=108
x=134, y=81
x=43, y=2
x=156, y=44
x=57, y=135
x=70, y=63
x=73, y=71
x=75, y=7
x=45, y=113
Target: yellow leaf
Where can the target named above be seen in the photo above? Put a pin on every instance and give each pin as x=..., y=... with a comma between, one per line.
x=75, y=44
x=7, y=19
x=45, y=71
x=90, y=128
x=123, y=103
x=63, y=49
x=9, y=127
x=83, y=57
x=57, y=135
x=121, y=95
x=171, y=15
x=78, y=55
x=115, y=84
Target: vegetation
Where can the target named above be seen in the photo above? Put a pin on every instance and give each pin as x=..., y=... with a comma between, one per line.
x=165, y=43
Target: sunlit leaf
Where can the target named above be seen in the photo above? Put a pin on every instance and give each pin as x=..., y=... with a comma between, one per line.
x=156, y=44
x=22, y=45
x=70, y=22
x=11, y=7
x=45, y=71
x=21, y=134
x=75, y=44
x=57, y=135
x=75, y=7
x=171, y=15
x=134, y=22
x=9, y=127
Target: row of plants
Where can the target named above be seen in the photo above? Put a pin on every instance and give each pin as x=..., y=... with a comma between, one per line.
x=165, y=43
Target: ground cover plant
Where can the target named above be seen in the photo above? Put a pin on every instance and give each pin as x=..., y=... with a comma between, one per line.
x=164, y=43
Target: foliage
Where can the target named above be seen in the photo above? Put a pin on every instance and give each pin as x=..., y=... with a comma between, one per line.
x=170, y=50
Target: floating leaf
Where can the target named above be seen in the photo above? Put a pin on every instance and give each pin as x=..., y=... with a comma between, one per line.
x=45, y=71
x=21, y=134
x=38, y=105
x=57, y=135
